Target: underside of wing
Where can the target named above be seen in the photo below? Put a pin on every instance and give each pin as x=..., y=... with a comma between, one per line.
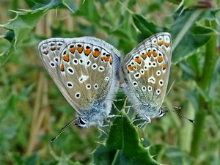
x=85, y=70
x=146, y=70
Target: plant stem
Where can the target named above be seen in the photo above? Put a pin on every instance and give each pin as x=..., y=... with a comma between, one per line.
x=204, y=83
x=115, y=157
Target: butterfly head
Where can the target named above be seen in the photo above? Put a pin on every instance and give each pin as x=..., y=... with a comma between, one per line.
x=162, y=112
x=93, y=116
x=82, y=122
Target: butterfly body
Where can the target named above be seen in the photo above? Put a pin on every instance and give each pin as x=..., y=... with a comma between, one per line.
x=86, y=71
x=146, y=71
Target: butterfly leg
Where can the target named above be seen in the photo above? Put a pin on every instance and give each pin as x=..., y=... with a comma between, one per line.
x=128, y=110
x=113, y=116
x=115, y=106
x=147, y=119
x=102, y=131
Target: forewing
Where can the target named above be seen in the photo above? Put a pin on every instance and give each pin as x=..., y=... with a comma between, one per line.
x=147, y=68
x=84, y=70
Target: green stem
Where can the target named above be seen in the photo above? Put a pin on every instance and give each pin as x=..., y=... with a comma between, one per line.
x=115, y=157
x=204, y=83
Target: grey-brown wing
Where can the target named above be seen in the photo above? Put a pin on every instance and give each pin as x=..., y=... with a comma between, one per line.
x=146, y=70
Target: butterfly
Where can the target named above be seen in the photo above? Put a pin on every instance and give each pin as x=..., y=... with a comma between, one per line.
x=146, y=72
x=86, y=71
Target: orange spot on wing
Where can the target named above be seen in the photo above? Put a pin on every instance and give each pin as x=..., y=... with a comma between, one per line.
x=80, y=49
x=144, y=56
x=160, y=43
x=62, y=67
x=72, y=50
x=164, y=66
x=137, y=60
x=160, y=59
x=154, y=54
x=167, y=44
x=66, y=57
x=102, y=57
x=149, y=54
x=110, y=61
x=96, y=53
x=129, y=67
x=87, y=51
x=107, y=57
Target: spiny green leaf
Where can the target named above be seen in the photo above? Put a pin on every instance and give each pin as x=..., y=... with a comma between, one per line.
x=194, y=39
x=123, y=138
x=146, y=27
x=19, y=27
x=90, y=12
x=185, y=32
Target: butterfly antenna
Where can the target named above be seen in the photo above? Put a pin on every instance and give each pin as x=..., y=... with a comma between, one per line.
x=190, y=120
x=171, y=86
x=62, y=130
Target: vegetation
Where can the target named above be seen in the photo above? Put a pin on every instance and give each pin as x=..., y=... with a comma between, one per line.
x=32, y=110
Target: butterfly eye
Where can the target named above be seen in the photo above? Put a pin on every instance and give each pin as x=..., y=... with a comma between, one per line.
x=82, y=122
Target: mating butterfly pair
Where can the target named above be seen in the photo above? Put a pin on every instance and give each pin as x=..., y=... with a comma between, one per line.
x=86, y=71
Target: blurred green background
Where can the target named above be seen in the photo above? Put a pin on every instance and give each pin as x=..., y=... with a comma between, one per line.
x=32, y=110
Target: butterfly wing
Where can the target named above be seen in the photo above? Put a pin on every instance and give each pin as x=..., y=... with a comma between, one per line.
x=84, y=69
x=146, y=70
